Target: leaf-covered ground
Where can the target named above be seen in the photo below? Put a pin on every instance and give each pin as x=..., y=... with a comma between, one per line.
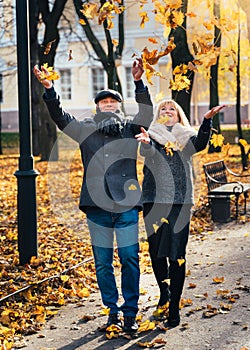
x=63, y=271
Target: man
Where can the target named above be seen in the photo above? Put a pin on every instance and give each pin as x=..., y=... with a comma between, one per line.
x=110, y=194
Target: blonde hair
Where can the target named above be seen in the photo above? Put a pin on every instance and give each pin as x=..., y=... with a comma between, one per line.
x=183, y=120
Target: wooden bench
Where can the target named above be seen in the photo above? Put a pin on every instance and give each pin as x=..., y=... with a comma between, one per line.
x=220, y=190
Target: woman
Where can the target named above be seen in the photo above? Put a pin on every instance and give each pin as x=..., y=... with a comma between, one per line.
x=167, y=188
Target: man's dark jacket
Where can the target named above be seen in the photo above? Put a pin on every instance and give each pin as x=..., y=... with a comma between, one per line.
x=110, y=176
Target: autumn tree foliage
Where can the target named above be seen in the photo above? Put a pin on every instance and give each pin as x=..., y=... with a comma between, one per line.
x=205, y=53
x=111, y=50
x=190, y=52
x=43, y=128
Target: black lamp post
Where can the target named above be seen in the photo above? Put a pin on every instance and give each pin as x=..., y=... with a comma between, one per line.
x=26, y=175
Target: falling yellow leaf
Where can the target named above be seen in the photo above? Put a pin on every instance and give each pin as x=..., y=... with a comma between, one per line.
x=70, y=57
x=105, y=13
x=163, y=119
x=167, y=280
x=159, y=96
x=110, y=22
x=180, y=82
x=169, y=146
x=243, y=142
x=104, y=311
x=153, y=40
x=48, y=47
x=132, y=187
x=82, y=22
x=158, y=313
x=177, y=18
x=191, y=14
x=192, y=67
x=169, y=15
x=144, y=18
x=90, y=10
x=155, y=226
x=115, y=42
x=208, y=25
x=50, y=75
x=217, y=140
x=181, y=261
x=152, y=57
x=164, y=220
x=143, y=291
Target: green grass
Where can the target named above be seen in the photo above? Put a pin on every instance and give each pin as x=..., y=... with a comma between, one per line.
x=10, y=140
x=231, y=134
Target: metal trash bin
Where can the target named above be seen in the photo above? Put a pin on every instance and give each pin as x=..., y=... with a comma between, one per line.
x=220, y=209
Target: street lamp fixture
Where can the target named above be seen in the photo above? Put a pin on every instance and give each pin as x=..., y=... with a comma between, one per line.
x=26, y=175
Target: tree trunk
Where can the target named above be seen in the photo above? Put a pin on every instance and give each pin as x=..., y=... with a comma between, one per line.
x=47, y=128
x=107, y=60
x=213, y=83
x=181, y=54
x=244, y=160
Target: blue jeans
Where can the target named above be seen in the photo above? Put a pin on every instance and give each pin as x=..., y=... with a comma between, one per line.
x=102, y=226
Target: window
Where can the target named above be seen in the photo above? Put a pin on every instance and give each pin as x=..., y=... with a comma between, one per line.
x=97, y=81
x=1, y=88
x=65, y=81
x=129, y=82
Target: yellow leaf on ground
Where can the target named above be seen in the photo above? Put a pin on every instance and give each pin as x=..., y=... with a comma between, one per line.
x=218, y=279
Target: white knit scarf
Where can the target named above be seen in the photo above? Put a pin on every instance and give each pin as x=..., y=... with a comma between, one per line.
x=178, y=136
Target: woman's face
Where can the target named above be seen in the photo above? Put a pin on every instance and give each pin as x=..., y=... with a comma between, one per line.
x=168, y=115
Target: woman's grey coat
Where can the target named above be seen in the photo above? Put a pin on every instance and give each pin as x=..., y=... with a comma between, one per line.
x=168, y=178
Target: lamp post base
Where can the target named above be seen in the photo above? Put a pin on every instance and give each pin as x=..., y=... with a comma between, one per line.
x=27, y=217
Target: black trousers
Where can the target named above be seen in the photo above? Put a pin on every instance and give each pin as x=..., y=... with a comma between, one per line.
x=167, y=228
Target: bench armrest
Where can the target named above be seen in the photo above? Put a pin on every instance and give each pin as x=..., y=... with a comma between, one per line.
x=214, y=180
x=237, y=183
x=235, y=174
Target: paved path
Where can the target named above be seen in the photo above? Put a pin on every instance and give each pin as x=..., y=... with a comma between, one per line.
x=224, y=253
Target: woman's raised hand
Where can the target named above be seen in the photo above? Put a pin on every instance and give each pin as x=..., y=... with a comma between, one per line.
x=211, y=113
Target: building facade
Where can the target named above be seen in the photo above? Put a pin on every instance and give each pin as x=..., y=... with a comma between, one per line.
x=83, y=76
